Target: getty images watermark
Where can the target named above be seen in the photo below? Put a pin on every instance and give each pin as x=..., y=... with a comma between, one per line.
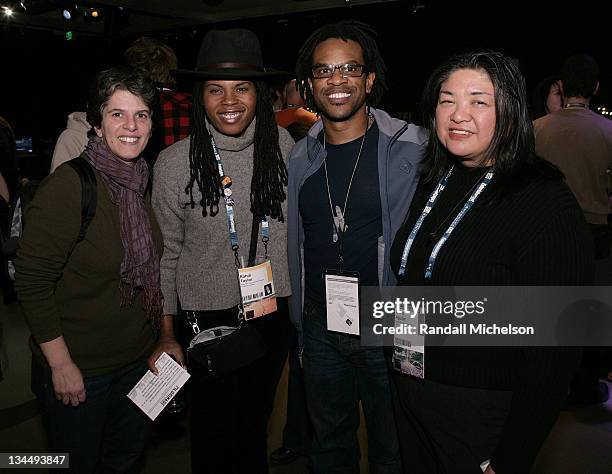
x=487, y=316
x=405, y=309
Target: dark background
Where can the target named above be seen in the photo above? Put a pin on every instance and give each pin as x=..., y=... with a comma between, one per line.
x=44, y=77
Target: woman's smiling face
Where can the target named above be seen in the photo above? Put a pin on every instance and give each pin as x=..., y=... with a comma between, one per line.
x=465, y=115
x=126, y=125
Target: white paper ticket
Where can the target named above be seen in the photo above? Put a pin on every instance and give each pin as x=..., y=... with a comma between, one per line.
x=153, y=392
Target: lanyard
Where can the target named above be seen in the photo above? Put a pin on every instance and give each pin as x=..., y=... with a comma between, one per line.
x=226, y=181
x=428, y=207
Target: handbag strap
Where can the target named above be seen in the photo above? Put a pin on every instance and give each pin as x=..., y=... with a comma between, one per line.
x=254, y=235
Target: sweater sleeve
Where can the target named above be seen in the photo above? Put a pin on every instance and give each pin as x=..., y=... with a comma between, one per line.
x=52, y=223
x=559, y=254
x=169, y=214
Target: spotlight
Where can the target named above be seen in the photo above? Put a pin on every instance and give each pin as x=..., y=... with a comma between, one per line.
x=417, y=6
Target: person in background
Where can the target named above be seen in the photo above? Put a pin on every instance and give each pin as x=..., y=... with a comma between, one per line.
x=71, y=141
x=9, y=190
x=487, y=408
x=92, y=305
x=579, y=142
x=235, y=153
x=157, y=59
x=4, y=218
x=7, y=163
x=293, y=116
x=547, y=98
x=8, y=160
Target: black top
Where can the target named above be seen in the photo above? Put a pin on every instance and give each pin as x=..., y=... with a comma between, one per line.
x=535, y=235
x=363, y=214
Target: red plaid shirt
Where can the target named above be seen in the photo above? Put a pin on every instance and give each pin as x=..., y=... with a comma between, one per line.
x=176, y=113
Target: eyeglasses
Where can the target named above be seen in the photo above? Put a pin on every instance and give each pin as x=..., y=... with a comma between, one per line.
x=320, y=71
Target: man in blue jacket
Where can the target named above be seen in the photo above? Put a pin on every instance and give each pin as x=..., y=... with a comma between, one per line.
x=351, y=181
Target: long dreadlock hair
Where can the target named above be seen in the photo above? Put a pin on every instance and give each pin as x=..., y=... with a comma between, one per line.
x=353, y=30
x=269, y=170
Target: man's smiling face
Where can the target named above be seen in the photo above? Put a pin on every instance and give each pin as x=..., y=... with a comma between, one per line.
x=339, y=98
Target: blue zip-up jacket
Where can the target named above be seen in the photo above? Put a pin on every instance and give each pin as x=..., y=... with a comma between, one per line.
x=401, y=147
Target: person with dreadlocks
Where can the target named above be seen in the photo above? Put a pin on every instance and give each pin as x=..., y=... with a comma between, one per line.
x=235, y=154
x=351, y=180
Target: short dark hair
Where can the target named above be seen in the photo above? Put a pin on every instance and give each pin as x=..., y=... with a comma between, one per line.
x=155, y=58
x=579, y=76
x=540, y=96
x=356, y=31
x=119, y=78
x=513, y=141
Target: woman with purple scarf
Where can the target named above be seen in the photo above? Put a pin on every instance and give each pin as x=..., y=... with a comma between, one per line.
x=92, y=303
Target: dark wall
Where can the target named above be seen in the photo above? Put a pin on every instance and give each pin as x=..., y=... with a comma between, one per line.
x=44, y=77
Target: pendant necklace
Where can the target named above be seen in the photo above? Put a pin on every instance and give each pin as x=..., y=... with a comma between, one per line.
x=338, y=214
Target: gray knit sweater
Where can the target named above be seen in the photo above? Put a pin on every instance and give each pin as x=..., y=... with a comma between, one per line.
x=198, y=264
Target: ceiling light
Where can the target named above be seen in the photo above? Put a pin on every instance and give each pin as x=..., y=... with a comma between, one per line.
x=7, y=11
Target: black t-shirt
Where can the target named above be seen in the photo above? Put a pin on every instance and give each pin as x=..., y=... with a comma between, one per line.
x=363, y=215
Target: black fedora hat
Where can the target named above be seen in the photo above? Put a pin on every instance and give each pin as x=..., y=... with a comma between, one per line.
x=230, y=54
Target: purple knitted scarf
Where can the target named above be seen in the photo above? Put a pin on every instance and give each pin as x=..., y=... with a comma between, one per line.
x=126, y=186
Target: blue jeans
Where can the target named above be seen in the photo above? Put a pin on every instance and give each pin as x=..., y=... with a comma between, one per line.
x=106, y=433
x=339, y=372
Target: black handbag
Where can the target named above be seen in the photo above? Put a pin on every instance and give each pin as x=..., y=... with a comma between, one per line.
x=222, y=350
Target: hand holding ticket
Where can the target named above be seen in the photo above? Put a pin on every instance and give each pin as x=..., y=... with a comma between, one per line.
x=153, y=392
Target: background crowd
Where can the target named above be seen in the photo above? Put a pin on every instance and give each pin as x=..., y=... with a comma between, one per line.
x=180, y=165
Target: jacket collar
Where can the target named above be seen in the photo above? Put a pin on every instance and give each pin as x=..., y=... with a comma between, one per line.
x=387, y=125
